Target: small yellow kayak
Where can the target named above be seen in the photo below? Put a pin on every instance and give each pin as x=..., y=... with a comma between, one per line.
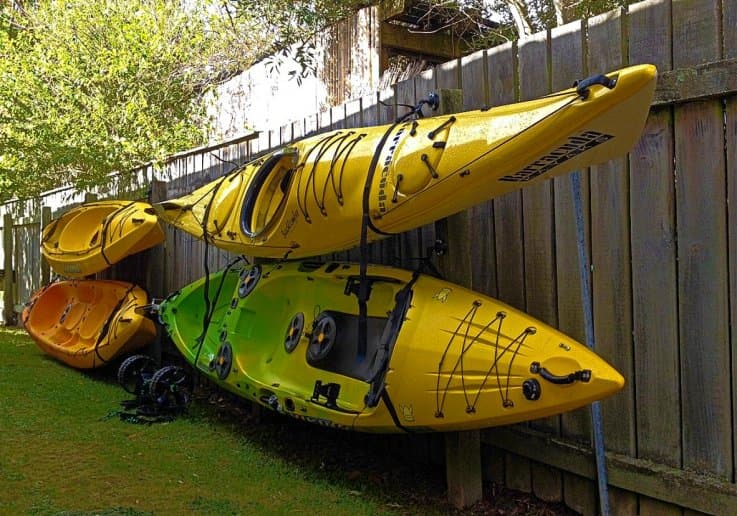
x=436, y=357
x=319, y=194
x=93, y=236
x=88, y=323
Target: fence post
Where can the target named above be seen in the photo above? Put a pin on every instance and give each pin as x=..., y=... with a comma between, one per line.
x=45, y=269
x=156, y=271
x=9, y=283
x=462, y=449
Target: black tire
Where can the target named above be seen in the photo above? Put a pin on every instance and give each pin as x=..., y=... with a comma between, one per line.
x=134, y=372
x=170, y=388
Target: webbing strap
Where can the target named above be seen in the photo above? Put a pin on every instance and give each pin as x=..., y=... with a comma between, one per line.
x=392, y=410
x=363, y=286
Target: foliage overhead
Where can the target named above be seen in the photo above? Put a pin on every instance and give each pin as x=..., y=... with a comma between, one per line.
x=89, y=87
x=468, y=19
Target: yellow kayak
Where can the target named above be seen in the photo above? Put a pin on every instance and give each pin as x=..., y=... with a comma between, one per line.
x=93, y=236
x=437, y=357
x=88, y=323
x=319, y=194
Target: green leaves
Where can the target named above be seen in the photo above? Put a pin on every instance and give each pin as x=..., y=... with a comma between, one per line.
x=89, y=87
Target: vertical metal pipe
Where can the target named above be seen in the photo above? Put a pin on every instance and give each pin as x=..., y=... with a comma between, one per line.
x=598, y=437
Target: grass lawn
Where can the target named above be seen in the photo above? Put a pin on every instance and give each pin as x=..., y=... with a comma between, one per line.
x=60, y=453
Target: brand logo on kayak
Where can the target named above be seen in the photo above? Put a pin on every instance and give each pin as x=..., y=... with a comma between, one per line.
x=289, y=223
x=442, y=295
x=385, y=170
x=408, y=412
x=572, y=148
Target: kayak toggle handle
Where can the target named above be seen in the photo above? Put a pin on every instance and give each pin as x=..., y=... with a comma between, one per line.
x=582, y=86
x=584, y=375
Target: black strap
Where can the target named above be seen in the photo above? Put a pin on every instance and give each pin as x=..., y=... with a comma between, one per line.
x=105, y=225
x=106, y=327
x=364, y=286
x=392, y=411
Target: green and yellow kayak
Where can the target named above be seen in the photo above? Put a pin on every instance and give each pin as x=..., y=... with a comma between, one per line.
x=319, y=194
x=88, y=323
x=93, y=236
x=437, y=357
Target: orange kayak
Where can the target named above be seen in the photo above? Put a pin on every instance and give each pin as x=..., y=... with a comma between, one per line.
x=88, y=323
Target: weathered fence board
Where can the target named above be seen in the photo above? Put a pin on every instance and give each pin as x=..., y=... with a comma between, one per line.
x=702, y=291
x=731, y=162
x=503, y=87
x=567, y=62
x=610, y=258
x=474, y=70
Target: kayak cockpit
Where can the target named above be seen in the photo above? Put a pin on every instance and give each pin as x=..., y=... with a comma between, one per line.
x=267, y=192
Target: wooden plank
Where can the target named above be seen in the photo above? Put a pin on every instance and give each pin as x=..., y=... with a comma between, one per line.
x=463, y=449
x=696, y=29
x=298, y=129
x=537, y=200
x=702, y=287
x=537, y=229
x=492, y=463
x=566, y=66
x=567, y=58
x=702, y=251
x=370, y=116
x=406, y=245
x=706, y=493
x=463, y=467
x=338, y=117
x=502, y=68
x=437, y=45
x=650, y=34
x=731, y=136
x=353, y=114
x=537, y=206
x=714, y=79
x=8, y=280
x=655, y=308
x=610, y=257
x=388, y=111
x=729, y=22
x=156, y=269
x=310, y=125
x=447, y=75
x=474, y=78
x=45, y=269
x=653, y=240
x=416, y=242
x=610, y=253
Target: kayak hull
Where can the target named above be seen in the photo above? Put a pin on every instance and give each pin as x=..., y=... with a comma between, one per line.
x=91, y=237
x=310, y=198
x=437, y=357
x=88, y=323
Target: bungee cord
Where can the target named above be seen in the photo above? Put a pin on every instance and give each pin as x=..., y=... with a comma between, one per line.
x=513, y=347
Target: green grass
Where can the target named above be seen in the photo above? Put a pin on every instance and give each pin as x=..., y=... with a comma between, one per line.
x=60, y=453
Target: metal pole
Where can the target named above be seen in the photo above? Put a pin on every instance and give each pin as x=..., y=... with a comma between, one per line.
x=598, y=437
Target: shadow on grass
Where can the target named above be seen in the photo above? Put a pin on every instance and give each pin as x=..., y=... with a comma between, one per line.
x=404, y=473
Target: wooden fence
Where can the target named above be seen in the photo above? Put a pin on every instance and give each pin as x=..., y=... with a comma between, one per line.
x=661, y=233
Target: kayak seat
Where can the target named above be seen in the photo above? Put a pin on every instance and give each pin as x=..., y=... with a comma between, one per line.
x=343, y=356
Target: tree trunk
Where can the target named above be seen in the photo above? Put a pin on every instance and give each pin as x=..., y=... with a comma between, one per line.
x=520, y=17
